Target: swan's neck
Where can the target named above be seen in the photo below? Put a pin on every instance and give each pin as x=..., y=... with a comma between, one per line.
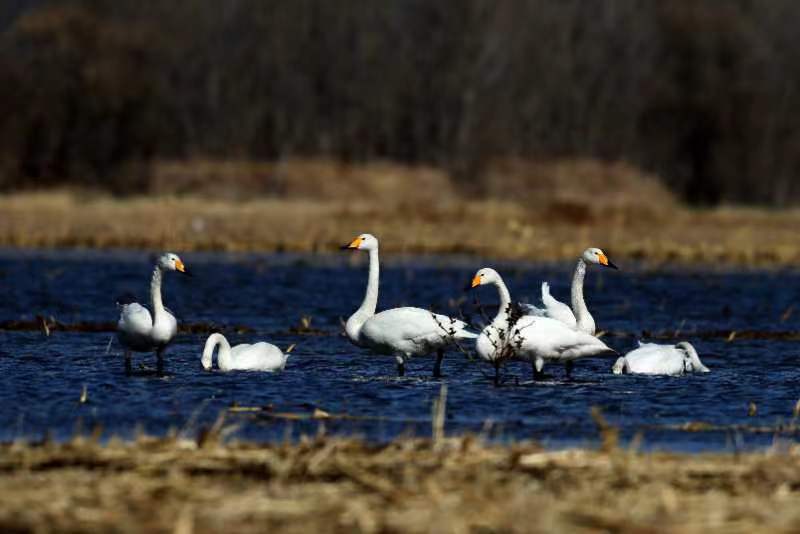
x=370, y=303
x=505, y=302
x=155, y=294
x=223, y=356
x=582, y=316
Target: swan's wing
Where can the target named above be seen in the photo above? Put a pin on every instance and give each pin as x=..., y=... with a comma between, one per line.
x=134, y=320
x=556, y=309
x=409, y=330
x=551, y=339
x=654, y=359
x=257, y=357
x=530, y=309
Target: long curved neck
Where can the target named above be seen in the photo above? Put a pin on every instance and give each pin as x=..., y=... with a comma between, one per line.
x=582, y=315
x=370, y=302
x=505, y=300
x=155, y=293
x=224, y=355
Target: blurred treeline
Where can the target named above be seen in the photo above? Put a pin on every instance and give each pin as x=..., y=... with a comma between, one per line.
x=706, y=93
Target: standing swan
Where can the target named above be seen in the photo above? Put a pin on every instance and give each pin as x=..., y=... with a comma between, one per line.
x=653, y=359
x=529, y=337
x=137, y=330
x=578, y=316
x=257, y=357
x=399, y=332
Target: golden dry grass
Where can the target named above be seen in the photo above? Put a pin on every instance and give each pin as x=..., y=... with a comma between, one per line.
x=533, y=212
x=454, y=485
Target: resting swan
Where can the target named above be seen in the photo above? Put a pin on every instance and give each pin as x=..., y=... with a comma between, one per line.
x=257, y=357
x=531, y=338
x=653, y=359
x=578, y=316
x=399, y=332
x=137, y=330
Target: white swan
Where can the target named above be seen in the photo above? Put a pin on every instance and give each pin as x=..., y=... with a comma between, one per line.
x=653, y=359
x=529, y=337
x=578, y=316
x=137, y=330
x=257, y=357
x=399, y=332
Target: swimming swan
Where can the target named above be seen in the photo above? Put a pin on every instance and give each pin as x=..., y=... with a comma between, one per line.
x=578, y=316
x=257, y=357
x=399, y=332
x=529, y=337
x=137, y=330
x=653, y=359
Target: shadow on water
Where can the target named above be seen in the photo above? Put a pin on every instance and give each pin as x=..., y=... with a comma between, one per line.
x=328, y=384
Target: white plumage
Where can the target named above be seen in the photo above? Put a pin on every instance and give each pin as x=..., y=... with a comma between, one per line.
x=137, y=329
x=400, y=332
x=259, y=356
x=528, y=337
x=654, y=359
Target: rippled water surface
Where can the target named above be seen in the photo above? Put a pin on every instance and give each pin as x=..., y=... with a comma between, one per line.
x=254, y=298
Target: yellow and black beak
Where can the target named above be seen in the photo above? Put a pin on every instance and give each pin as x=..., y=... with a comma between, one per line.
x=353, y=244
x=476, y=281
x=607, y=263
x=181, y=268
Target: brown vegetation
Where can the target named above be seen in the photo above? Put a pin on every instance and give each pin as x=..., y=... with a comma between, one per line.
x=456, y=485
x=536, y=212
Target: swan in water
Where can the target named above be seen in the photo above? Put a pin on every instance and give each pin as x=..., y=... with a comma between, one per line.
x=529, y=337
x=245, y=357
x=400, y=332
x=654, y=359
x=137, y=330
x=578, y=316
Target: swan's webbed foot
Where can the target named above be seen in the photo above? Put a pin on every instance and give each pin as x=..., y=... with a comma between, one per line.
x=437, y=367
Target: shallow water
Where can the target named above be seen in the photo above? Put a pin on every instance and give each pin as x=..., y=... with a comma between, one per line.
x=41, y=377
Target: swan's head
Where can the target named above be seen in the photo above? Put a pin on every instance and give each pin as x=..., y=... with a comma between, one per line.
x=595, y=255
x=171, y=262
x=693, y=363
x=363, y=242
x=483, y=277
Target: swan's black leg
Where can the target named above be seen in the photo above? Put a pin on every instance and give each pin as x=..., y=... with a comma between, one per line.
x=497, y=372
x=160, y=361
x=568, y=368
x=128, y=364
x=437, y=367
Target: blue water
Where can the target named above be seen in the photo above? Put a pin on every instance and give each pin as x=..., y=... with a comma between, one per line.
x=261, y=297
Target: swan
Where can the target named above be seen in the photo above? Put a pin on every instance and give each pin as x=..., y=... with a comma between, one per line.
x=529, y=337
x=578, y=316
x=257, y=357
x=654, y=359
x=137, y=330
x=400, y=332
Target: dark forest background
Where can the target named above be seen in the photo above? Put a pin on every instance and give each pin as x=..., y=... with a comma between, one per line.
x=704, y=93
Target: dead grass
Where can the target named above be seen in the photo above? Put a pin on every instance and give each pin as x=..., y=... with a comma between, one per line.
x=534, y=212
x=456, y=485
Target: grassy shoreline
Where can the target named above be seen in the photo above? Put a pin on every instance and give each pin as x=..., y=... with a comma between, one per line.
x=454, y=485
x=491, y=228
